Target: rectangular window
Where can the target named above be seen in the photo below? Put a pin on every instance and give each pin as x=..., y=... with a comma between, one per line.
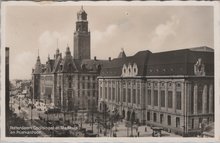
x=192, y=101
x=124, y=94
x=106, y=92
x=109, y=93
x=162, y=98
x=113, y=94
x=148, y=116
x=138, y=96
x=161, y=118
x=100, y=93
x=119, y=94
x=93, y=85
x=169, y=120
x=192, y=124
x=134, y=96
x=170, y=99
x=149, y=96
x=199, y=99
x=155, y=98
x=129, y=95
x=155, y=117
x=88, y=85
x=207, y=105
x=88, y=93
x=178, y=100
x=177, y=122
x=94, y=93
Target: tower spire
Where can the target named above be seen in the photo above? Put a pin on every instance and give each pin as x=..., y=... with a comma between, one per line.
x=38, y=52
x=57, y=43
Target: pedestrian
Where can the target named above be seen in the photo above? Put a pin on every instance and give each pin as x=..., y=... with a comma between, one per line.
x=145, y=129
x=138, y=134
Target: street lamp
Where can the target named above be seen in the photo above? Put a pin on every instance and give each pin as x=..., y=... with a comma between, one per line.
x=31, y=112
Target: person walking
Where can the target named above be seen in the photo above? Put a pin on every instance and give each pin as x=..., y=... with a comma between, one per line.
x=145, y=129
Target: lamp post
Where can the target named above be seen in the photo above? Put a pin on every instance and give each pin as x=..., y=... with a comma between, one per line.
x=31, y=112
x=19, y=107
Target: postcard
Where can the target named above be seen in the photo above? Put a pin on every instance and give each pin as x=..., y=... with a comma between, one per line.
x=109, y=71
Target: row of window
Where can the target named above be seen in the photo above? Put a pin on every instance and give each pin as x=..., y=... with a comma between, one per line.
x=88, y=77
x=200, y=100
x=162, y=119
x=155, y=84
x=154, y=101
x=88, y=93
x=110, y=94
x=84, y=85
x=88, y=85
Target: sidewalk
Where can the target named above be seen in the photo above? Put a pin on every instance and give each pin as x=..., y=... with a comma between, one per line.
x=123, y=131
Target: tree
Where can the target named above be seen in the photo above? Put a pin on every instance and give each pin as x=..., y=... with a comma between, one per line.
x=109, y=119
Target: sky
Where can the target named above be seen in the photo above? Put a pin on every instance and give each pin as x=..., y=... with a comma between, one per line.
x=133, y=28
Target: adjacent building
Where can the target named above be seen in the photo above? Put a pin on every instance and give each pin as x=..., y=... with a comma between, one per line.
x=69, y=82
x=173, y=90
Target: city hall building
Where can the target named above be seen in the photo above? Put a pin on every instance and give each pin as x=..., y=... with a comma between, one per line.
x=173, y=90
x=69, y=82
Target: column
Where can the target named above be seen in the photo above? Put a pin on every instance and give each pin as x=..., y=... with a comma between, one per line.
x=188, y=95
x=107, y=85
x=132, y=92
x=126, y=90
x=121, y=91
x=204, y=99
x=183, y=87
x=166, y=96
x=146, y=95
x=152, y=94
x=103, y=90
x=211, y=98
x=174, y=97
x=158, y=85
x=195, y=93
x=136, y=86
x=142, y=94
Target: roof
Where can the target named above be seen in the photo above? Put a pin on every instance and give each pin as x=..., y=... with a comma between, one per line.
x=68, y=65
x=114, y=67
x=122, y=54
x=38, y=66
x=177, y=62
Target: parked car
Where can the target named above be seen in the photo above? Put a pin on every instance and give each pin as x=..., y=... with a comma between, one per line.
x=89, y=133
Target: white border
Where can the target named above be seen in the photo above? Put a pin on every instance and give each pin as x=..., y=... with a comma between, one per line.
x=122, y=139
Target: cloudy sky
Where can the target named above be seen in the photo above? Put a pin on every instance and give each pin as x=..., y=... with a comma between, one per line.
x=133, y=28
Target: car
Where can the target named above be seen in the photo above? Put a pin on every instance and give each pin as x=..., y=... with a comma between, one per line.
x=89, y=133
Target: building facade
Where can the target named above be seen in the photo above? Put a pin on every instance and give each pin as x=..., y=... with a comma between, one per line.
x=173, y=90
x=69, y=82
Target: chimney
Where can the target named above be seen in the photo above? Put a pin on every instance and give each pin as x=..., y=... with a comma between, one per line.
x=109, y=58
x=95, y=58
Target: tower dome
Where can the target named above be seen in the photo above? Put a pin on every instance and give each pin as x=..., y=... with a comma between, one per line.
x=81, y=15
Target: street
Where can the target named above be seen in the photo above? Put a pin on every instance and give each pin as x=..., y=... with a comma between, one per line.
x=34, y=117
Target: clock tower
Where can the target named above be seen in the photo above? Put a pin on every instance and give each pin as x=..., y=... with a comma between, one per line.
x=81, y=37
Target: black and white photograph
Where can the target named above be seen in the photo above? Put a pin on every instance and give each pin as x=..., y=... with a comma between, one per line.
x=99, y=70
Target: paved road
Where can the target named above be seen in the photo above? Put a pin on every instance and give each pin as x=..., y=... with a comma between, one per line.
x=121, y=131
